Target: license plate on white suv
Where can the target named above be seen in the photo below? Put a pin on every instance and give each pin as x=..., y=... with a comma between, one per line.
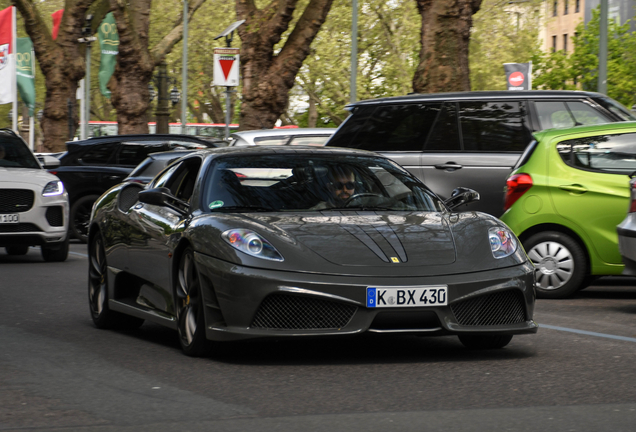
x=430, y=295
x=9, y=218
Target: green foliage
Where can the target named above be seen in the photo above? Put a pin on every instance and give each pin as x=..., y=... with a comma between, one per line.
x=503, y=32
x=580, y=68
x=388, y=52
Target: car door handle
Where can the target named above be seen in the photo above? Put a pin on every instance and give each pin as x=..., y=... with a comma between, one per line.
x=574, y=188
x=114, y=177
x=449, y=165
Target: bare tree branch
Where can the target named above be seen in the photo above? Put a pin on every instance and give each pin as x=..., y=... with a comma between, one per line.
x=163, y=47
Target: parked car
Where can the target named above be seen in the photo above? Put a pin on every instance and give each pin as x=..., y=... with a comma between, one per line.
x=564, y=199
x=626, y=231
x=33, y=203
x=91, y=167
x=218, y=252
x=293, y=136
x=470, y=138
x=153, y=165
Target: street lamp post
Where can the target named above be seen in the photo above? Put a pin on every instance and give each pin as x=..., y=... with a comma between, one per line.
x=184, y=69
x=602, y=50
x=163, y=108
x=354, y=52
x=86, y=112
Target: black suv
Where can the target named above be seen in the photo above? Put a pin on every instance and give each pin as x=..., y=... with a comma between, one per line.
x=91, y=167
x=470, y=139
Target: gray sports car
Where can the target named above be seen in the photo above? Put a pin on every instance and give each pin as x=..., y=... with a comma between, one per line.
x=237, y=243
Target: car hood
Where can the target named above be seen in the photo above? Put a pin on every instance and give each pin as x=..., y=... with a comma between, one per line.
x=359, y=243
x=416, y=239
x=14, y=176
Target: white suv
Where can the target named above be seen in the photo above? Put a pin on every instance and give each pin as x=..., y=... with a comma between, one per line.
x=33, y=203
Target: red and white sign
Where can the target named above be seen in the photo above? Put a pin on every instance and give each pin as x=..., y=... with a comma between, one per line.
x=516, y=79
x=7, y=55
x=226, y=67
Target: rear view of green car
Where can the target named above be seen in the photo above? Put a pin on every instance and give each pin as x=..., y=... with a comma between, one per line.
x=564, y=199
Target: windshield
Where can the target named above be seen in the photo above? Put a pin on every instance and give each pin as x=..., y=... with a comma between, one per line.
x=616, y=108
x=309, y=182
x=14, y=154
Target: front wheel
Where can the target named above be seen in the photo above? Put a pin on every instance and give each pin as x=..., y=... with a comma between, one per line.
x=102, y=316
x=485, y=341
x=81, y=216
x=560, y=264
x=57, y=253
x=190, y=316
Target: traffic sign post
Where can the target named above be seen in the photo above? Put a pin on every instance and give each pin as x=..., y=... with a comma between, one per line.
x=226, y=69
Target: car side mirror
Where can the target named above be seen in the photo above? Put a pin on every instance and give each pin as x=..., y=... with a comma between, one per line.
x=460, y=196
x=49, y=162
x=163, y=197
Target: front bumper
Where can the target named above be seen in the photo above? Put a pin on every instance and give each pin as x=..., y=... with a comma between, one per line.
x=243, y=303
x=45, y=223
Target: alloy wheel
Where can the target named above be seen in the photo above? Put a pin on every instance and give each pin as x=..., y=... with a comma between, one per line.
x=97, y=277
x=188, y=298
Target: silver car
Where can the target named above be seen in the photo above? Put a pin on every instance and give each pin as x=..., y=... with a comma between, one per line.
x=298, y=136
x=627, y=233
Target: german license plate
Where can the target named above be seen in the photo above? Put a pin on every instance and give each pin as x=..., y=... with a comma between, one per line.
x=430, y=295
x=9, y=218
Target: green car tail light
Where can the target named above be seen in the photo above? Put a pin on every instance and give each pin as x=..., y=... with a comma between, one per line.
x=516, y=186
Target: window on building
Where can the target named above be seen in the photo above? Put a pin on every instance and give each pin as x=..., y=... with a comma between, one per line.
x=577, y=7
x=554, y=43
x=565, y=43
x=554, y=8
x=565, y=7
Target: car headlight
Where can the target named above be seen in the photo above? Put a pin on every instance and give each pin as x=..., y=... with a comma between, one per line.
x=502, y=242
x=252, y=244
x=52, y=188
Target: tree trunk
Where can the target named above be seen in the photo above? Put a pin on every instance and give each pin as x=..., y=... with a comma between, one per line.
x=62, y=64
x=268, y=78
x=312, y=118
x=136, y=62
x=445, y=35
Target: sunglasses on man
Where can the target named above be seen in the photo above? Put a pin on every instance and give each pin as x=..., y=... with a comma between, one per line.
x=343, y=185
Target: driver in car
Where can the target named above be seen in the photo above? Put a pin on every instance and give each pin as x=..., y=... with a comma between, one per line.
x=341, y=187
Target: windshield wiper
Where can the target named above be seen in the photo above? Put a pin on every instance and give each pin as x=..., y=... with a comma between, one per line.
x=241, y=209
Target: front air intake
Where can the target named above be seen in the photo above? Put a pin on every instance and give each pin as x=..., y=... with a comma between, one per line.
x=499, y=308
x=290, y=312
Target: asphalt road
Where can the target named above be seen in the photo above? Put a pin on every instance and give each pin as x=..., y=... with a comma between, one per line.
x=59, y=373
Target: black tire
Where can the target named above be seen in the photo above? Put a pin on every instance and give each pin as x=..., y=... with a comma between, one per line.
x=485, y=341
x=101, y=314
x=189, y=305
x=80, y=217
x=56, y=253
x=17, y=250
x=560, y=262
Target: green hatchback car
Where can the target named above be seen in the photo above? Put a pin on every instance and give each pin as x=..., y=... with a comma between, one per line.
x=564, y=199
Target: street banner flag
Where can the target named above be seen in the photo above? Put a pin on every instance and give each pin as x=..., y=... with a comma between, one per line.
x=518, y=76
x=109, y=46
x=57, y=20
x=226, y=67
x=26, y=73
x=7, y=55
